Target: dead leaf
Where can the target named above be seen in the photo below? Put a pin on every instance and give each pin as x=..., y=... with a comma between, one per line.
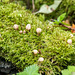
x=73, y=26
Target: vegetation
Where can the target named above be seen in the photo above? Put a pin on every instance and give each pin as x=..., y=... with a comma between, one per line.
x=17, y=44
x=31, y=70
x=69, y=71
x=67, y=6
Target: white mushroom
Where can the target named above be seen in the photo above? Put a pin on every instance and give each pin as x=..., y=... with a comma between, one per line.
x=69, y=41
x=38, y=30
x=24, y=31
x=15, y=26
x=35, y=51
x=20, y=31
x=41, y=59
x=71, y=35
x=28, y=27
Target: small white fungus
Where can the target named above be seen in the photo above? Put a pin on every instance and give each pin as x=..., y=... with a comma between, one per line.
x=41, y=59
x=24, y=31
x=35, y=51
x=15, y=26
x=69, y=41
x=71, y=35
x=28, y=26
x=20, y=31
x=38, y=30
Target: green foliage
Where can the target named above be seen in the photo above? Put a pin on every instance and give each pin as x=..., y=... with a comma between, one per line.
x=60, y=19
x=69, y=71
x=38, y=3
x=18, y=48
x=30, y=70
x=68, y=7
x=48, y=9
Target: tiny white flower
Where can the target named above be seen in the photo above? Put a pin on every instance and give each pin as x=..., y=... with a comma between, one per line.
x=20, y=31
x=38, y=30
x=35, y=51
x=15, y=26
x=28, y=27
x=69, y=41
x=41, y=59
x=71, y=35
x=24, y=31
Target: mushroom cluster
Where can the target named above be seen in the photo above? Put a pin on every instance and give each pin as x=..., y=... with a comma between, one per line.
x=40, y=58
x=28, y=27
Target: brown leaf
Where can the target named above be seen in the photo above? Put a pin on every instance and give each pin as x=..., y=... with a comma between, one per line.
x=73, y=26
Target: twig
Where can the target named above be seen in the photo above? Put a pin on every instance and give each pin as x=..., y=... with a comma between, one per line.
x=33, y=5
x=69, y=27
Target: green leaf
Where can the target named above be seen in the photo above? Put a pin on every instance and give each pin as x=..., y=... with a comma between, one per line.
x=56, y=22
x=31, y=70
x=69, y=71
x=66, y=72
x=61, y=17
x=71, y=68
x=49, y=9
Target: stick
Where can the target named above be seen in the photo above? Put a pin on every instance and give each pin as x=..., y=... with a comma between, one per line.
x=33, y=5
x=69, y=27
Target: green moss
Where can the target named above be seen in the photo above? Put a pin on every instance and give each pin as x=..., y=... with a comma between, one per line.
x=18, y=48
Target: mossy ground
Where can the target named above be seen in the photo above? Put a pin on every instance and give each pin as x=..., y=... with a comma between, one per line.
x=17, y=48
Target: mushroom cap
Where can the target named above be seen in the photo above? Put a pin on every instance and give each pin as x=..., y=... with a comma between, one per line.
x=35, y=51
x=28, y=26
x=69, y=41
x=38, y=30
x=15, y=26
x=41, y=59
x=24, y=31
x=20, y=31
x=71, y=35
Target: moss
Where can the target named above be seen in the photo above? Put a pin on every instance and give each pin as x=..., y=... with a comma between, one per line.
x=17, y=48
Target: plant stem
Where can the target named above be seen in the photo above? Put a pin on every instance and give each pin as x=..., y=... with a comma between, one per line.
x=33, y=5
x=69, y=27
